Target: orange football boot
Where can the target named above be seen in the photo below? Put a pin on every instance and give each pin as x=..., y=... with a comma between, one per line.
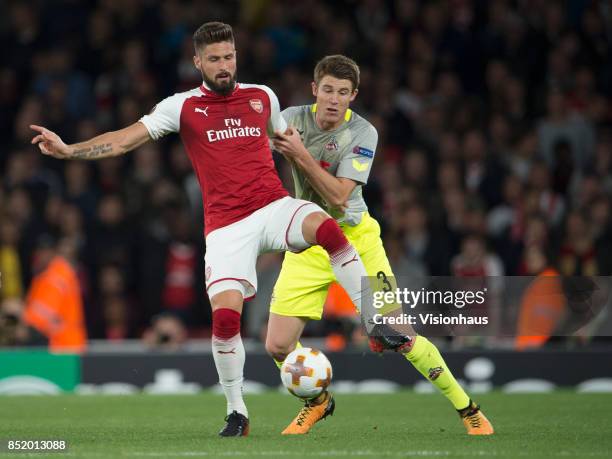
x=312, y=413
x=475, y=421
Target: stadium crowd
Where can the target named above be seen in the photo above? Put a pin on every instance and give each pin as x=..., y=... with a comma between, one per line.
x=494, y=155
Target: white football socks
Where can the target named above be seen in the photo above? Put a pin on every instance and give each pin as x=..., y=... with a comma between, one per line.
x=349, y=270
x=229, y=359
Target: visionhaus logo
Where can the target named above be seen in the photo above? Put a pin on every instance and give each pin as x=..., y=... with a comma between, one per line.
x=502, y=306
x=426, y=300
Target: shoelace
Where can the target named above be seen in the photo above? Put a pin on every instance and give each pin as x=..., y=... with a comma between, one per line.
x=304, y=412
x=474, y=420
x=232, y=420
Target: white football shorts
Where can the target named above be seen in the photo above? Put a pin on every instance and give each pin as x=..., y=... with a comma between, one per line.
x=232, y=251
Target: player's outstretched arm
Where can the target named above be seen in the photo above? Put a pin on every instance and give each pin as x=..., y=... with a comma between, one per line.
x=112, y=143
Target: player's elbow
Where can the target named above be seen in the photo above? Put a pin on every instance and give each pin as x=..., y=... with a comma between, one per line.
x=341, y=192
x=130, y=138
x=125, y=145
x=338, y=199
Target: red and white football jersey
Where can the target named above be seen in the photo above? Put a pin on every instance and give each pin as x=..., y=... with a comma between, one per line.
x=226, y=138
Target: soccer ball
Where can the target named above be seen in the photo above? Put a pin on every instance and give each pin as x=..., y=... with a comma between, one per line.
x=306, y=372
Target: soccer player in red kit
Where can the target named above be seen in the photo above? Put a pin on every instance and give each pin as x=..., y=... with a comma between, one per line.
x=224, y=126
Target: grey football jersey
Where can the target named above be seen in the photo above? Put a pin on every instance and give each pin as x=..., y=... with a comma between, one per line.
x=345, y=152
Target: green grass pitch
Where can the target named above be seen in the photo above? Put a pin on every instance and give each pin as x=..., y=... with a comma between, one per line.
x=559, y=425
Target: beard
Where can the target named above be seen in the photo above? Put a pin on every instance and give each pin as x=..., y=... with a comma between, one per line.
x=223, y=88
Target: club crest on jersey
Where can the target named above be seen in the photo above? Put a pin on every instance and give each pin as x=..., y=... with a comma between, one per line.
x=257, y=105
x=434, y=373
x=363, y=152
x=332, y=145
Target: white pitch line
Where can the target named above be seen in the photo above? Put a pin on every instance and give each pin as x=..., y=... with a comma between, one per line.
x=330, y=453
x=352, y=453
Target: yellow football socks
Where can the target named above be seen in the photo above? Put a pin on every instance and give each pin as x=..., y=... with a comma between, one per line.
x=426, y=358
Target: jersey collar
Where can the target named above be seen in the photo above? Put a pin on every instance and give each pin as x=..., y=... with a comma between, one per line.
x=347, y=114
x=206, y=90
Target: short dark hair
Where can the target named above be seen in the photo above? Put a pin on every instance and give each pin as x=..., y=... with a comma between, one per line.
x=338, y=66
x=212, y=32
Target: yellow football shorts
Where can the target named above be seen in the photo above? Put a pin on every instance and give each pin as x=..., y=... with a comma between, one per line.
x=301, y=287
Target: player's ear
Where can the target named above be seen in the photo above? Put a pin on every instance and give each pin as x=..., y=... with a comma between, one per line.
x=314, y=89
x=353, y=95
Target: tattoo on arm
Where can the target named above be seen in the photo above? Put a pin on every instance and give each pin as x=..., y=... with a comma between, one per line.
x=95, y=151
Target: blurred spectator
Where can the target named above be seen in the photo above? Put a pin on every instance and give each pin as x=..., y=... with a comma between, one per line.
x=13, y=331
x=482, y=170
x=110, y=311
x=493, y=120
x=400, y=262
x=506, y=218
x=425, y=249
x=117, y=326
x=167, y=333
x=78, y=188
x=111, y=240
x=534, y=232
x=183, y=273
x=551, y=203
x=542, y=305
x=11, y=280
x=54, y=306
x=475, y=260
x=577, y=255
x=145, y=174
x=600, y=216
x=561, y=124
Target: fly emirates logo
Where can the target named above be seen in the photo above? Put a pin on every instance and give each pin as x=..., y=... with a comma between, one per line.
x=233, y=128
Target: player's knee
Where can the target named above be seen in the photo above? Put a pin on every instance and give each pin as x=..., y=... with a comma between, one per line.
x=279, y=351
x=231, y=299
x=316, y=218
x=311, y=225
x=226, y=323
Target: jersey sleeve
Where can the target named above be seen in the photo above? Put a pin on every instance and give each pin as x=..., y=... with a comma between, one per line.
x=276, y=121
x=290, y=114
x=164, y=118
x=358, y=157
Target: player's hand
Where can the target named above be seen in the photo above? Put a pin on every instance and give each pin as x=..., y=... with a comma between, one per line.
x=50, y=143
x=342, y=207
x=288, y=143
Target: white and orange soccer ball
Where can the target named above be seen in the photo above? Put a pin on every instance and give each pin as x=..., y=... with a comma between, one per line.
x=306, y=372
